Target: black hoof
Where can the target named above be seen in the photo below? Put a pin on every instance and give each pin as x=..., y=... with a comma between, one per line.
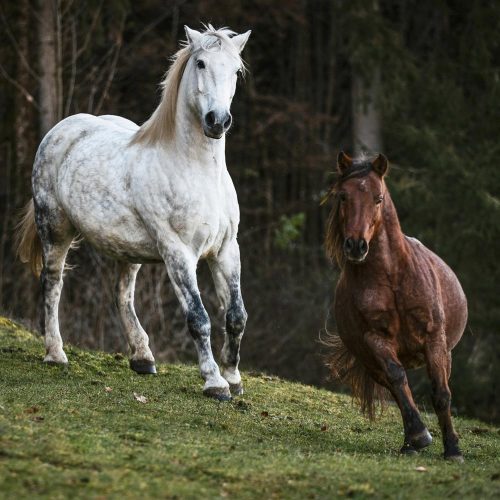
x=220, y=394
x=408, y=450
x=421, y=440
x=143, y=366
x=236, y=389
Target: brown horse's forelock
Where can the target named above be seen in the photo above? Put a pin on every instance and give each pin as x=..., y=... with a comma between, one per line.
x=357, y=169
x=334, y=239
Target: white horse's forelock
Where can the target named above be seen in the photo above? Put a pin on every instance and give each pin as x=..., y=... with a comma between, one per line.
x=161, y=124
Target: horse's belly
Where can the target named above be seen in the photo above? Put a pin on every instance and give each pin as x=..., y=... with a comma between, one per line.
x=131, y=248
x=117, y=234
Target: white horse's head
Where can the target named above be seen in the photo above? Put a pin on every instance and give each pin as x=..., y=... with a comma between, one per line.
x=211, y=75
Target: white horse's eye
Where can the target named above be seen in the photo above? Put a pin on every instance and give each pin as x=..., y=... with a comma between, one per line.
x=200, y=64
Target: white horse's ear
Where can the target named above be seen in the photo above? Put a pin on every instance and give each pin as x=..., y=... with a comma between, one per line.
x=241, y=40
x=192, y=35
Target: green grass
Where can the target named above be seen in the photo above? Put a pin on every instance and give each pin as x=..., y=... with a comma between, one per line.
x=62, y=434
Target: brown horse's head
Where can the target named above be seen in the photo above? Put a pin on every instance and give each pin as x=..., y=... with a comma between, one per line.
x=356, y=213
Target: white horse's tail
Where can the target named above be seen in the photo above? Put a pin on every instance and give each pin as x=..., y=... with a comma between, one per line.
x=29, y=246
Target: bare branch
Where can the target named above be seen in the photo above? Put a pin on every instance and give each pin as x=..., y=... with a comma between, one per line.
x=19, y=87
x=90, y=31
x=19, y=53
x=109, y=80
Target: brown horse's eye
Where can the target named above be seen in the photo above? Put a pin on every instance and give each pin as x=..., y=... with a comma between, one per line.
x=379, y=199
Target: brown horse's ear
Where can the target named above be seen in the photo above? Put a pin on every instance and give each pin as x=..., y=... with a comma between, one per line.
x=380, y=165
x=343, y=162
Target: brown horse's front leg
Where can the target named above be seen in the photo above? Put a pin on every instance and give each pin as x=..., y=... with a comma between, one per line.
x=438, y=360
x=392, y=375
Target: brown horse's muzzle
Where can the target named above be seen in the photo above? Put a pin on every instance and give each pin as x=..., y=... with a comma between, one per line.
x=355, y=250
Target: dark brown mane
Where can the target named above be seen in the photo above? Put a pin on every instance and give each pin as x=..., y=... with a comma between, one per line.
x=333, y=238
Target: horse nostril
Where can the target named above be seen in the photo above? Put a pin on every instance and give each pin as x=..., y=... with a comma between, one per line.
x=217, y=129
x=348, y=244
x=363, y=246
x=210, y=118
x=228, y=122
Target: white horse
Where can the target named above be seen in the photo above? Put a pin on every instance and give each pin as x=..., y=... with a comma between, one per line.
x=158, y=193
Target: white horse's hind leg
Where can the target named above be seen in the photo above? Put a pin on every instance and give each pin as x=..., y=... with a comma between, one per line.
x=141, y=360
x=55, y=245
x=181, y=268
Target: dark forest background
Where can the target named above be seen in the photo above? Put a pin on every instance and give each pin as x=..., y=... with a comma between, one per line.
x=416, y=79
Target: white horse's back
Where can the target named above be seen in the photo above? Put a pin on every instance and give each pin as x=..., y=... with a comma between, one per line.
x=120, y=122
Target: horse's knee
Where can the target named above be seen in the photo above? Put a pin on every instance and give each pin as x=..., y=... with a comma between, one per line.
x=51, y=280
x=198, y=322
x=441, y=399
x=396, y=374
x=236, y=319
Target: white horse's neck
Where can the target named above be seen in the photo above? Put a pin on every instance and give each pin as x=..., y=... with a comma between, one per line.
x=190, y=142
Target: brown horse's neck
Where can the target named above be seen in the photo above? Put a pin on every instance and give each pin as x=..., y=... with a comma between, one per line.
x=388, y=248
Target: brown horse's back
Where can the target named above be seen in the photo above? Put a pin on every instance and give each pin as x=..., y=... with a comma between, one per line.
x=447, y=289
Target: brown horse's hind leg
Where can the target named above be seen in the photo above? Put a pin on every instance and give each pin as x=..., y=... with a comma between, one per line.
x=393, y=376
x=439, y=368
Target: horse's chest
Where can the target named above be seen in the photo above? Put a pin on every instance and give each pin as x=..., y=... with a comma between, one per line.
x=377, y=308
x=382, y=311
x=359, y=310
x=204, y=230
x=393, y=310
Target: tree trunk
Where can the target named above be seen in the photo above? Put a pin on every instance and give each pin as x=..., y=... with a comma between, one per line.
x=367, y=130
x=50, y=90
x=25, y=130
x=365, y=93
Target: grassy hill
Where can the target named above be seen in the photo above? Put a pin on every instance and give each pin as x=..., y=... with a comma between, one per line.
x=81, y=432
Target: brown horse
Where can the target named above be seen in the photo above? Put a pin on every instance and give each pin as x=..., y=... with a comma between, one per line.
x=397, y=304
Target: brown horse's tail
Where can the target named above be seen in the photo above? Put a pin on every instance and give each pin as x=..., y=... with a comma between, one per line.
x=29, y=246
x=345, y=367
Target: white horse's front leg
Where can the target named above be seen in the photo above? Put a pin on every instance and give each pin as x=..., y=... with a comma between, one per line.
x=226, y=270
x=181, y=268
